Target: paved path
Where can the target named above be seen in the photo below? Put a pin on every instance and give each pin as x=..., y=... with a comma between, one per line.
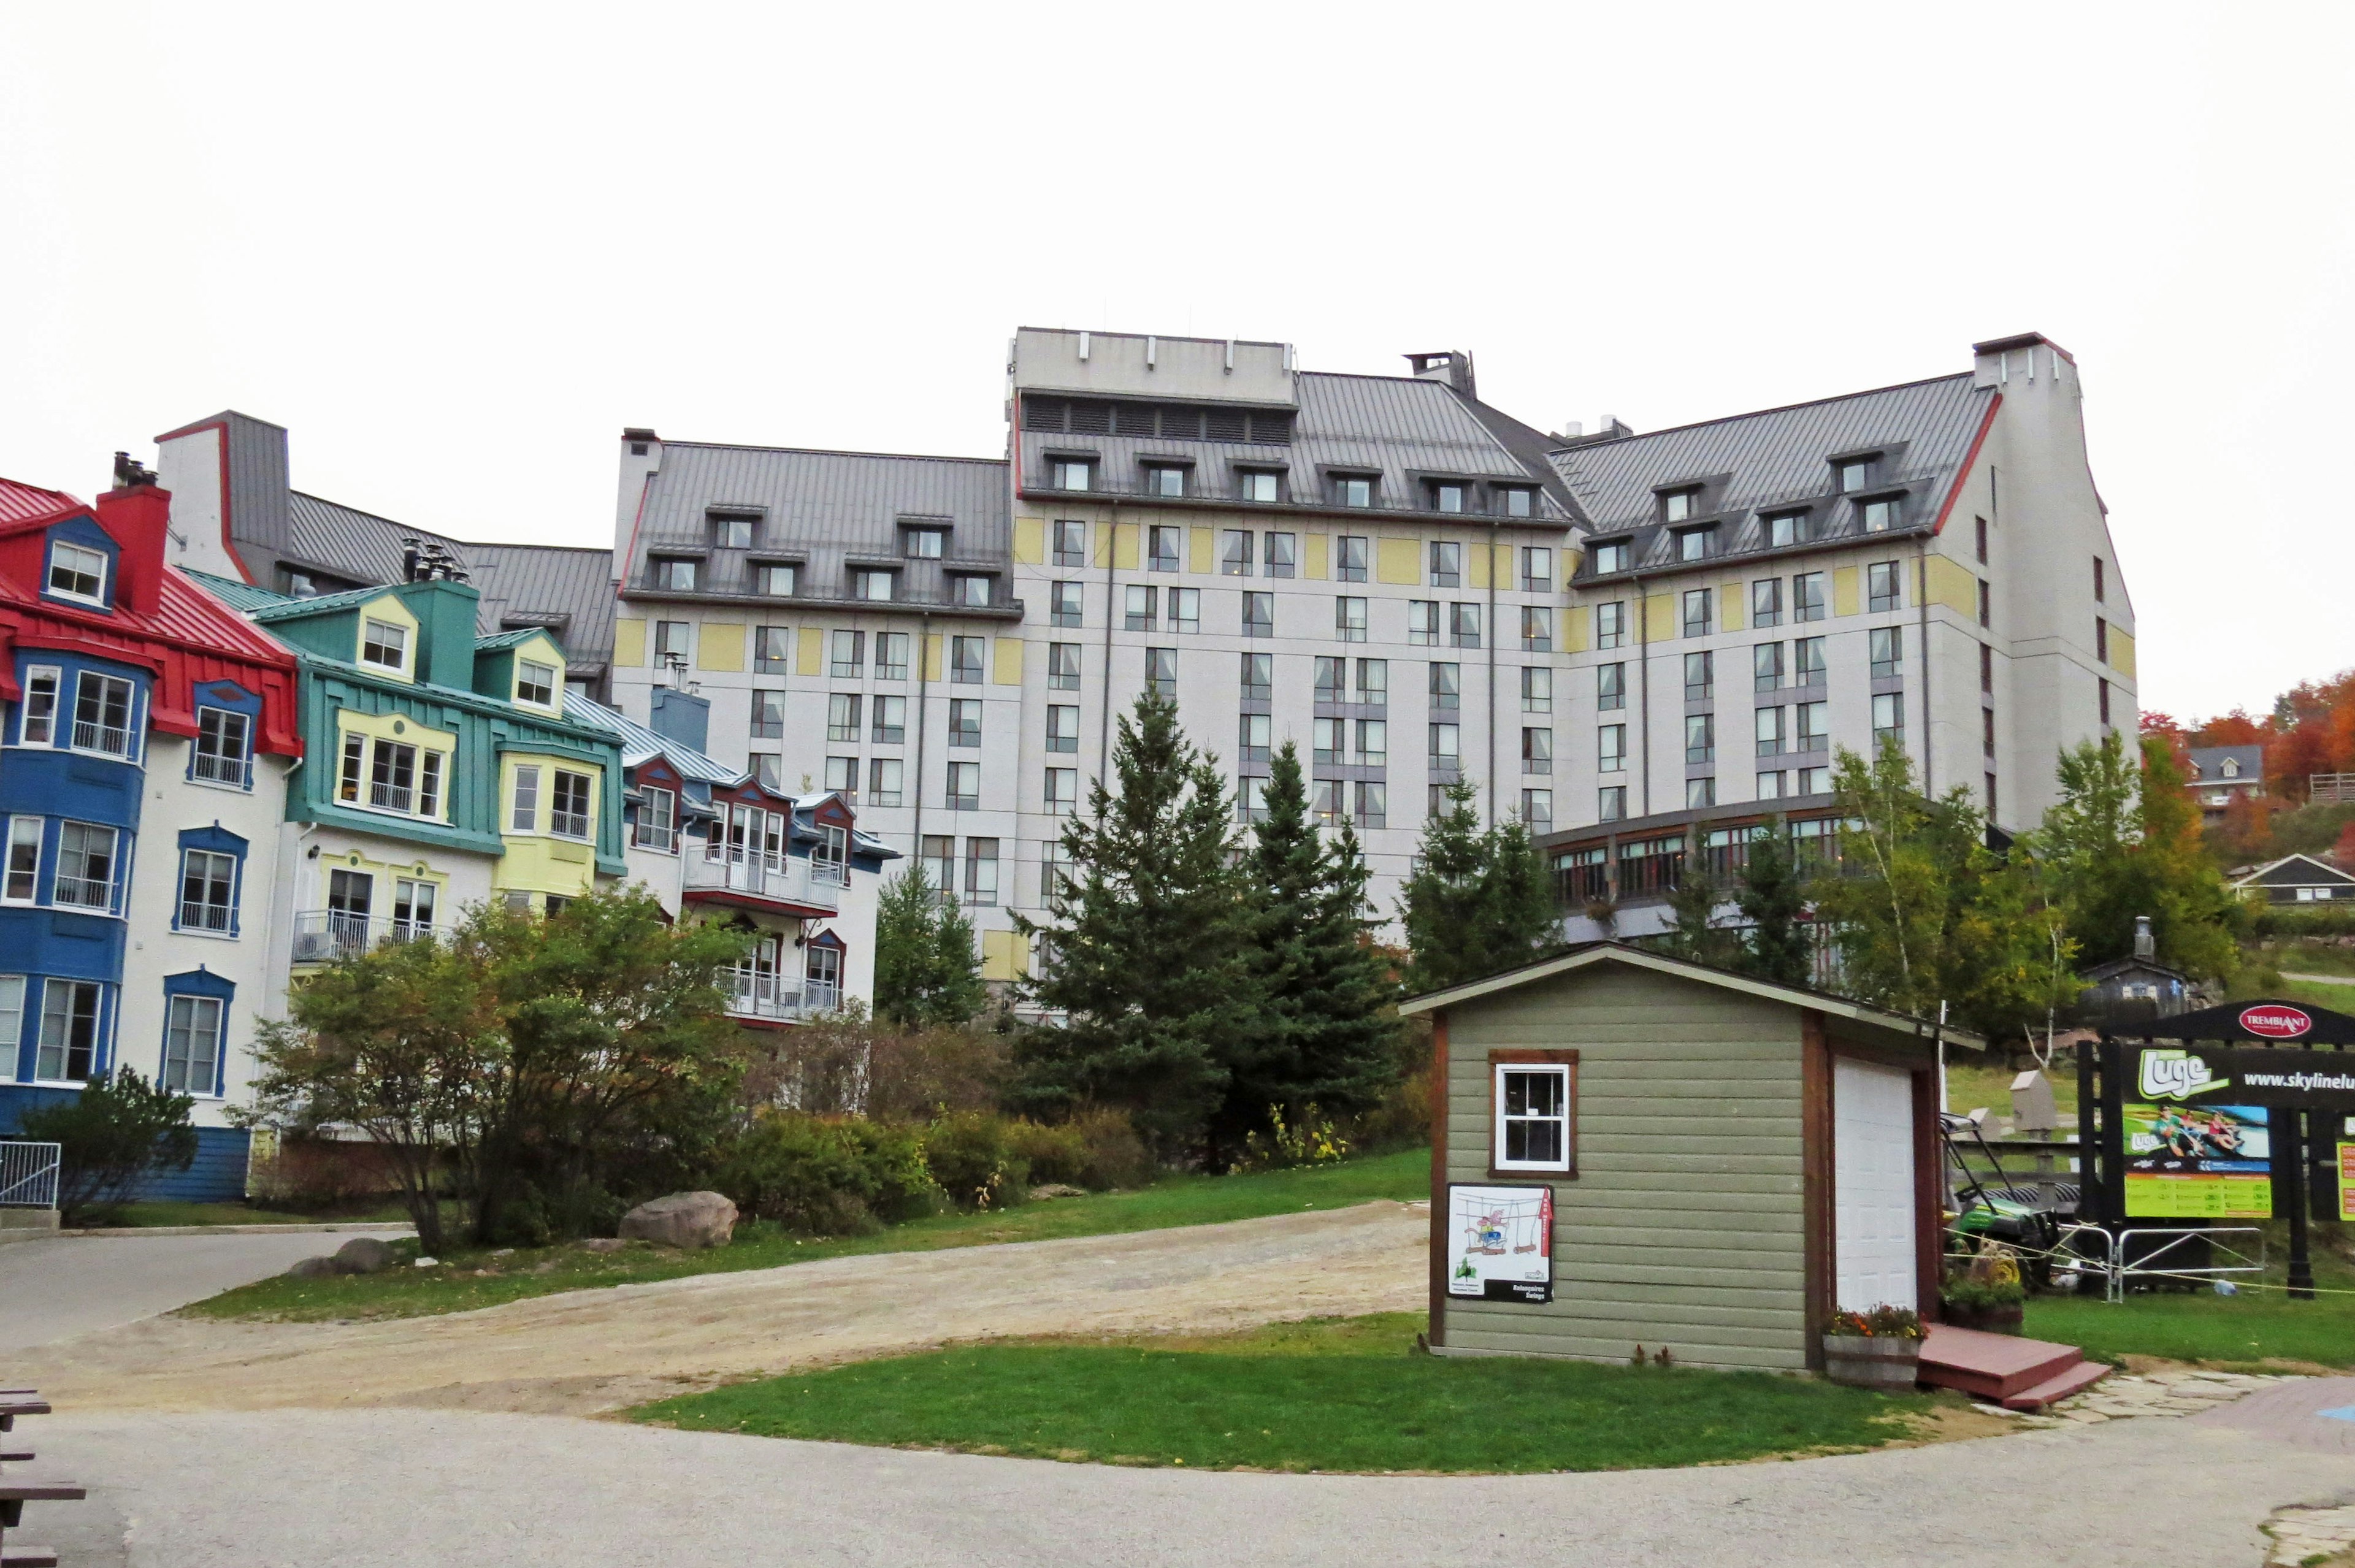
x=377, y=1488
x=71, y=1284
x=592, y=1349
x=2321, y=979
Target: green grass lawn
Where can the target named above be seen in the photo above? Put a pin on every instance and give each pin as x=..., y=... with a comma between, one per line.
x=2245, y=1330
x=1970, y=1086
x=470, y=1277
x=144, y=1215
x=1328, y=1394
x=2319, y=994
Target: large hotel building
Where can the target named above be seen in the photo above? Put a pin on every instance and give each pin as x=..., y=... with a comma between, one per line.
x=1645, y=644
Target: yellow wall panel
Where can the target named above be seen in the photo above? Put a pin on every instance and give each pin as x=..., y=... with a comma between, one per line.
x=1476, y=566
x=1573, y=628
x=1005, y=954
x=1006, y=668
x=933, y=657
x=1398, y=561
x=721, y=646
x=2122, y=653
x=809, y=658
x=1200, y=546
x=1844, y=591
x=1030, y=540
x=1729, y=608
x=1659, y=617
x=1319, y=561
x=629, y=642
x=1127, y=545
x=1953, y=585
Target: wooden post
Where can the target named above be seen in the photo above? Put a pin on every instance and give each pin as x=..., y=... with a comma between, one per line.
x=1439, y=1100
x=1929, y=1196
x=1815, y=1178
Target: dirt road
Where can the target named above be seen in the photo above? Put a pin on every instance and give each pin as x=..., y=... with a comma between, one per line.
x=595, y=1349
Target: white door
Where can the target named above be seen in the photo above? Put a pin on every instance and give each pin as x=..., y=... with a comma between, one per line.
x=1873, y=1184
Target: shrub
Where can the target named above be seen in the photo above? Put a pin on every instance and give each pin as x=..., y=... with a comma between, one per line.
x=973, y=1158
x=1311, y=1140
x=825, y=1177
x=1116, y=1155
x=1053, y=1152
x=1402, y=1118
x=110, y=1135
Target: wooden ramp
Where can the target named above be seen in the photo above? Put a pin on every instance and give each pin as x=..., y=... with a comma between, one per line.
x=2019, y=1374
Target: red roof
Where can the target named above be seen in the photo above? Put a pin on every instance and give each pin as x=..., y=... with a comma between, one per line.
x=191, y=639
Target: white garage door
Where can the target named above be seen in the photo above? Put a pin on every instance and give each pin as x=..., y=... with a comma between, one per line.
x=1873, y=1184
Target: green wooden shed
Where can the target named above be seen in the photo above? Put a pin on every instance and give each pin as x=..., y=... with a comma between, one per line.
x=1634, y=1150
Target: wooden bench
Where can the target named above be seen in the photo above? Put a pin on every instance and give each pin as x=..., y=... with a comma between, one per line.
x=13, y=1402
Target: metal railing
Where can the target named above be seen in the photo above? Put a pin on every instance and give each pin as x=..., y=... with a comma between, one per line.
x=29, y=1175
x=196, y=915
x=216, y=769
x=2166, y=1251
x=85, y=892
x=393, y=797
x=114, y=739
x=323, y=935
x=755, y=993
x=788, y=879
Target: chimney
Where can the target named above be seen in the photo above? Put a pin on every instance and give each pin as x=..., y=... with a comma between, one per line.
x=680, y=716
x=2146, y=945
x=138, y=520
x=1572, y=428
x=1453, y=368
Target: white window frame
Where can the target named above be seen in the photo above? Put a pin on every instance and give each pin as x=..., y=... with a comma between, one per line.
x=114, y=868
x=65, y=1047
x=17, y=826
x=49, y=576
x=579, y=825
x=186, y=1031
x=1560, y=1071
x=237, y=765
x=46, y=680
x=369, y=627
x=181, y=906
x=131, y=725
x=523, y=810
x=652, y=832
x=552, y=685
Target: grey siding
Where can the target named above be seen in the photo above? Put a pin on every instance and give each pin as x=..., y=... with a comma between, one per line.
x=1683, y=1226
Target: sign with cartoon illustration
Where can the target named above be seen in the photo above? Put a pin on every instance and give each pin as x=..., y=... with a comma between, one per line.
x=2347, y=1181
x=2193, y=1161
x=1500, y=1243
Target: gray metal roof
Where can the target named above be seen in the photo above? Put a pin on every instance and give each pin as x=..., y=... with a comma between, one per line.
x=824, y=509
x=1781, y=459
x=2294, y=871
x=640, y=744
x=567, y=591
x=2208, y=764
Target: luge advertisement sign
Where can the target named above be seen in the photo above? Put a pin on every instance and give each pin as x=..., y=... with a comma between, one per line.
x=2347, y=1181
x=1500, y=1243
x=2189, y=1159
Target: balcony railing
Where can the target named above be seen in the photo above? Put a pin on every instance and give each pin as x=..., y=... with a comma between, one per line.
x=216, y=769
x=111, y=739
x=755, y=993
x=392, y=797
x=323, y=935
x=87, y=892
x=788, y=879
x=200, y=916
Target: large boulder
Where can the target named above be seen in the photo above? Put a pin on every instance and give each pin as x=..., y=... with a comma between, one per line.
x=682, y=1220
x=315, y=1268
x=364, y=1254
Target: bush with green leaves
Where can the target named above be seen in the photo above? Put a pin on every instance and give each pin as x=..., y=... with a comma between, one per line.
x=111, y=1136
x=971, y=1156
x=825, y=1175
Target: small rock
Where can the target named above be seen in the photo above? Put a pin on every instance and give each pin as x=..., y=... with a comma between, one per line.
x=429, y=1262
x=364, y=1254
x=601, y=1245
x=1056, y=1189
x=548, y=1267
x=503, y=1253
x=682, y=1220
x=313, y=1268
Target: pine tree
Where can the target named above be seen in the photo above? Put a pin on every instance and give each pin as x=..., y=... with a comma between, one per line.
x=1694, y=933
x=1773, y=897
x=925, y=968
x=1324, y=1036
x=1145, y=953
x=1477, y=903
x=2123, y=842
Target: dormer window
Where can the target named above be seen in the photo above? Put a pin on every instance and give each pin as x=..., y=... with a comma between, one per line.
x=1881, y=514
x=1353, y=490
x=1163, y=479
x=1073, y=474
x=1679, y=506
x=534, y=683
x=1852, y=474
x=385, y=644
x=674, y=574
x=777, y=581
x=76, y=574
x=1516, y=501
x=1789, y=529
x=925, y=544
x=1259, y=485
x=970, y=590
x=2231, y=768
x=1696, y=544
x=875, y=585
x=1447, y=498
x=1612, y=557
x=733, y=531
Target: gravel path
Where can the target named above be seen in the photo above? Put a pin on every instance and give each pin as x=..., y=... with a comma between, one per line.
x=593, y=1350
x=374, y=1489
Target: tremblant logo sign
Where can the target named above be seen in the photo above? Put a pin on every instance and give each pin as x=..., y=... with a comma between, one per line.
x=2176, y=1076
x=2274, y=1022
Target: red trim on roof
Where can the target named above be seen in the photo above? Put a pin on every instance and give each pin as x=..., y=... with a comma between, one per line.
x=1955, y=488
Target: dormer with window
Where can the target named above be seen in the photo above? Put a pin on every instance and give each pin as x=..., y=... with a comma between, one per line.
x=732, y=529
x=1680, y=504
x=923, y=541
x=386, y=641
x=1610, y=556
x=78, y=574
x=1353, y=490
x=1696, y=544
x=1878, y=513
x=1262, y=486
x=1168, y=481
x=1449, y=495
x=1515, y=500
x=674, y=573
x=1071, y=472
x=1854, y=472
x=526, y=667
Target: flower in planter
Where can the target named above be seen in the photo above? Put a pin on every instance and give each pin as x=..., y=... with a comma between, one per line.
x=1880, y=1322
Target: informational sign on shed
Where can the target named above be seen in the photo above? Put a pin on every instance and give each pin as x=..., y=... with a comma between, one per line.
x=2347, y=1181
x=2197, y=1162
x=1500, y=1243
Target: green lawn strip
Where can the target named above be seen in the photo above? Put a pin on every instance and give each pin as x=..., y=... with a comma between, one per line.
x=2321, y=993
x=1336, y=1395
x=1174, y=1201
x=2244, y=1330
x=142, y=1216
x=1971, y=1086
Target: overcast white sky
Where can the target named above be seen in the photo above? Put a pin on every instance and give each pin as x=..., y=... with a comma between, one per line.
x=455, y=248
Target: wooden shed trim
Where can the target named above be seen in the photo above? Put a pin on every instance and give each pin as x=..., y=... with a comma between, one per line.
x=1635, y=958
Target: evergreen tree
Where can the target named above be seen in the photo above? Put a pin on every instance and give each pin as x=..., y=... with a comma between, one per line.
x=1477, y=903
x=1694, y=933
x=2122, y=842
x=1145, y=952
x=1773, y=897
x=925, y=968
x=1324, y=1036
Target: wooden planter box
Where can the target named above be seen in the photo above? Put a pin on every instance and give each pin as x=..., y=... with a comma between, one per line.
x=1872, y=1361
x=1986, y=1319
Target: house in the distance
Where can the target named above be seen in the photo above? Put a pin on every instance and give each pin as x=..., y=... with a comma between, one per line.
x=2219, y=774
x=2296, y=879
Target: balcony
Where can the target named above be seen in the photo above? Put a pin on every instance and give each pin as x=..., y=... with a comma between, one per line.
x=323, y=935
x=754, y=993
x=213, y=768
x=785, y=879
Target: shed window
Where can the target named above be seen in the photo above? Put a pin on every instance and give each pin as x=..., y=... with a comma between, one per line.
x=1532, y=1116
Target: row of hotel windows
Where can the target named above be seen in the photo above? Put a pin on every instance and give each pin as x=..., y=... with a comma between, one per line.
x=88, y=865
x=1656, y=864
x=66, y=1049
x=103, y=711
x=401, y=777
x=1142, y=611
x=1797, y=729
x=781, y=580
x=1080, y=471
